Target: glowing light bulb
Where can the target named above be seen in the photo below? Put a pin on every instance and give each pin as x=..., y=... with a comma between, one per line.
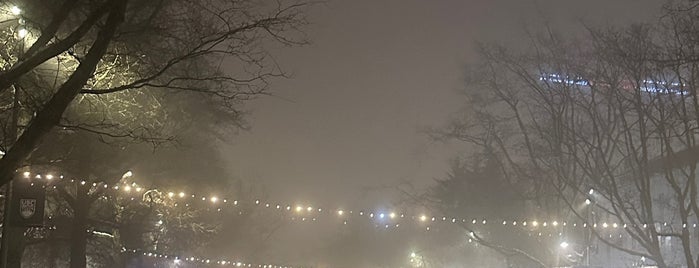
x=214, y=199
x=170, y=194
x=49, y=177
x=340, y=212
x=423, y=218
x=26, y=174
x=181, y=195
x=127, y=188
x=564, y=245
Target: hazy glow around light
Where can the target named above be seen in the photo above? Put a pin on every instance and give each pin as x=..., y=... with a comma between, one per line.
x=15, y=10
x=564, y=244
x=22, y=33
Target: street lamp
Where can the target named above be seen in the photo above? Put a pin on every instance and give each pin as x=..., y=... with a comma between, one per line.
x=15, y=10
x=567, y=249
x=416, y=260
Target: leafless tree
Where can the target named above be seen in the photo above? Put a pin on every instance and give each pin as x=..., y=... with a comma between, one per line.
x=609, y=117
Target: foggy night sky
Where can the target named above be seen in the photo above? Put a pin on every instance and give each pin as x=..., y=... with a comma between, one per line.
x=375, y=74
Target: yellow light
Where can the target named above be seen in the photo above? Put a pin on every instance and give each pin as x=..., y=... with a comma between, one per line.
x=26, y=174
x=181, y=194
x=138, y=189
x=423, y=218
x=298, y=208
x=392, y=215
x=15, y=10
x=214, y=199
x=170, y=194
x=535, y=223
x=309, y=209
x=127, y=188
x=555, y=223
x=49, y=177
x=340, y=212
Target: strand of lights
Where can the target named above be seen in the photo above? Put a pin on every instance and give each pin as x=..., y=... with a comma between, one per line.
x=387, y=219
x=198, y=260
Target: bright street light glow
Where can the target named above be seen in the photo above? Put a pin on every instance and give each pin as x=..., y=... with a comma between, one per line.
x=15, y=10
x=592, y=191
x=22, y=33
x=564, y=244
x=588, y=201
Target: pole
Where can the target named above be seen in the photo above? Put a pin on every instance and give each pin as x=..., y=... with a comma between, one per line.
x=6, y=232
x=5, y=245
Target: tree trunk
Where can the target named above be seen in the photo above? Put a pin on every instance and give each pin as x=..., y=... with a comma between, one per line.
x=16, y=239
x=78, y=235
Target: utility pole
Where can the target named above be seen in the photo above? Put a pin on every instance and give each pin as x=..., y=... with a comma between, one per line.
x=8, y=232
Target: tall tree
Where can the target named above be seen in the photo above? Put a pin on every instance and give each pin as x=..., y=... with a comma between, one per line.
x=96, y=56
x=605, y=124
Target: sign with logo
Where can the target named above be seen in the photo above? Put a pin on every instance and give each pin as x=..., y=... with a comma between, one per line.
x=27, y=207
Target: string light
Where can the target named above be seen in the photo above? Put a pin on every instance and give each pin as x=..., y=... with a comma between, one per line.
x=201, y=260
x=526, y=225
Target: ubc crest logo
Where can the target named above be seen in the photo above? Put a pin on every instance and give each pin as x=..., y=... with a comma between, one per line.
x=27, y=208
